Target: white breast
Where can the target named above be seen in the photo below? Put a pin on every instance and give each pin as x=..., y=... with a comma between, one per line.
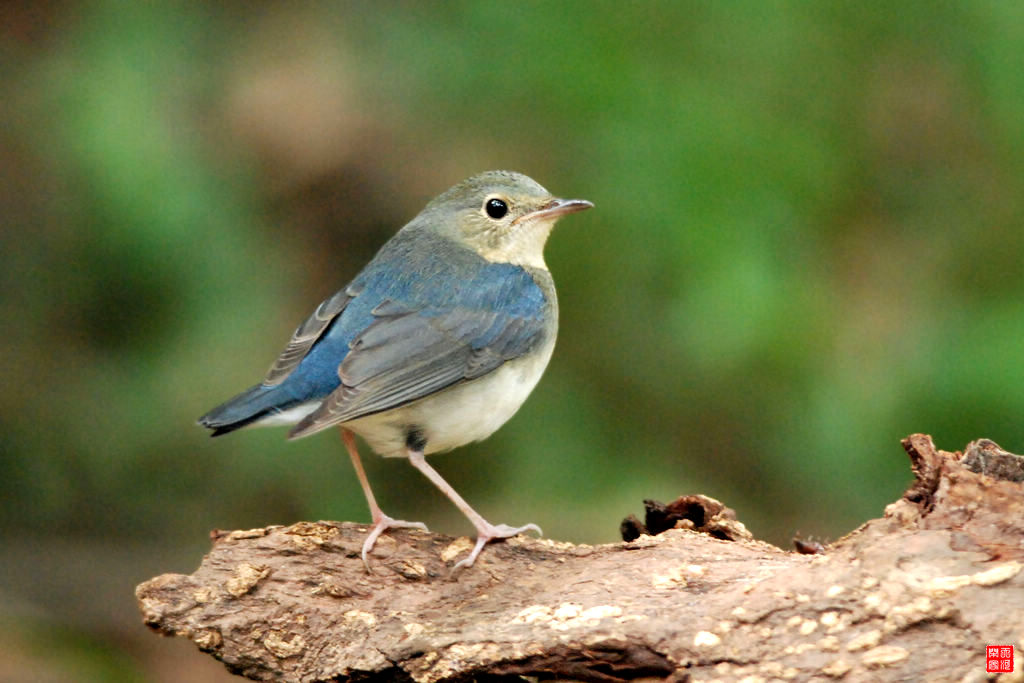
x=460, y=415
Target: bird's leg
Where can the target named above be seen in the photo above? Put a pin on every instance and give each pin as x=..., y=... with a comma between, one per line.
x=381, y=522
x=485, y=531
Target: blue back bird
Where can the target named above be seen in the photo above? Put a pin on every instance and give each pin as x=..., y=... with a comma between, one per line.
x=435, y=344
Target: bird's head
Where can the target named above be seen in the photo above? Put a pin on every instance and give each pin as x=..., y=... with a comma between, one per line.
x=504, y=216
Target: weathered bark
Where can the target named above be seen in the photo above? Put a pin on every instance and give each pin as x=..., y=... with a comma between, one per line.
x=915, y=595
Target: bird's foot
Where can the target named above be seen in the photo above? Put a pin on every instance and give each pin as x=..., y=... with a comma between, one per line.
x=491, y=532
x=381, y=524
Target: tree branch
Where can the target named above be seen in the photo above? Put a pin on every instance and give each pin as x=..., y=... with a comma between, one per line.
x=917, y=594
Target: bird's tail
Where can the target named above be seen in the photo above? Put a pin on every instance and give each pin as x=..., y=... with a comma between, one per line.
x=249, y=406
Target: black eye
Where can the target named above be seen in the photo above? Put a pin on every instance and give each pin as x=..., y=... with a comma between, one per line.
x=495, y=208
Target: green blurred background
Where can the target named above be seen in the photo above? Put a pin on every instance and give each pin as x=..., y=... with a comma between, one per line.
x=807, y=245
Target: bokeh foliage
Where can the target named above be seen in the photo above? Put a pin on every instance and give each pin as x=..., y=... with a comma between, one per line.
x=806, y=245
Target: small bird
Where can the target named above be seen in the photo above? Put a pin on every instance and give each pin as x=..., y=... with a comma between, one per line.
x=435, y=344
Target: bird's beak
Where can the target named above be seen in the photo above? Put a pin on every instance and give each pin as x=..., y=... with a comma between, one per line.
x=556, y=208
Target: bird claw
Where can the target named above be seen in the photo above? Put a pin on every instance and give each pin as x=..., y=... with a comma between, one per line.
x=506, y=531
x=492, y=532
x=380, y=526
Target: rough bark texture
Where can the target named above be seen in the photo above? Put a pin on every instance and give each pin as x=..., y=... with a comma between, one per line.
x=915, y=595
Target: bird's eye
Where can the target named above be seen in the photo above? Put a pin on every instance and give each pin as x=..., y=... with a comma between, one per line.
x=496, y=208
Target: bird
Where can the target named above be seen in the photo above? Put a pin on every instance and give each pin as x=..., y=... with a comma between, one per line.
x=435, y=344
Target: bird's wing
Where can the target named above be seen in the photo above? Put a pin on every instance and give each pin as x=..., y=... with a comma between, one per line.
x=304, y=337
x=410, y=351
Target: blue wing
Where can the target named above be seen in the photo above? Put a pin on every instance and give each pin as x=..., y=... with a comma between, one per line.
x=425, y=314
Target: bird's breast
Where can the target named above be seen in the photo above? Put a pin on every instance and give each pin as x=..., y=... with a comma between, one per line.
x=462, y=414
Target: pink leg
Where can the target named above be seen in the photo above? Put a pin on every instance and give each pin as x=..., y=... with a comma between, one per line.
x=485, y=531
x=381, y=522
